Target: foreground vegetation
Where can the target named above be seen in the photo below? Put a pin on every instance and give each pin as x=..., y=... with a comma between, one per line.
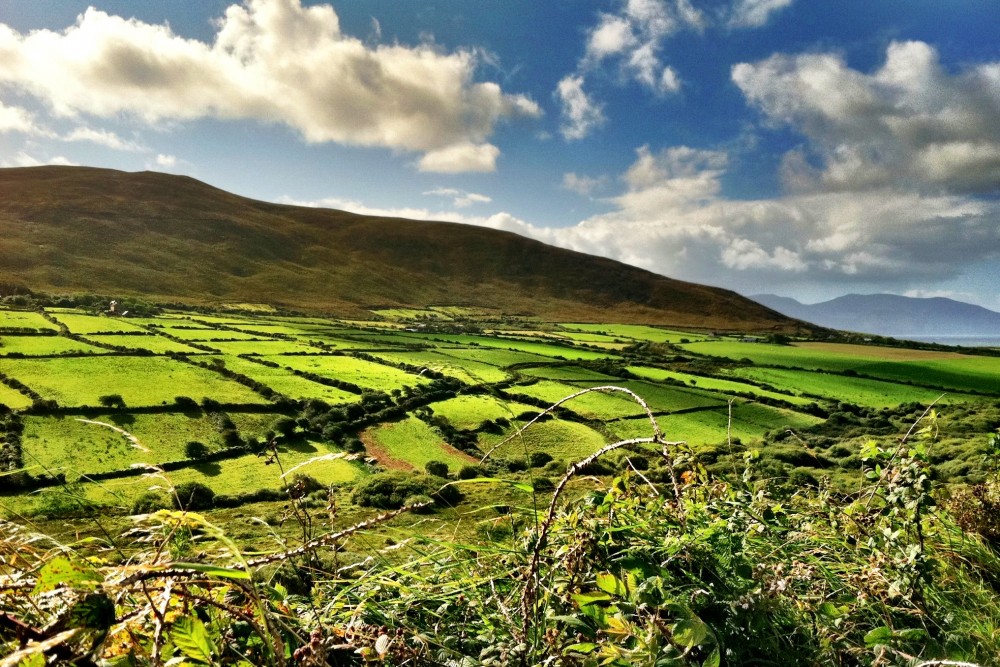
x=666, y=565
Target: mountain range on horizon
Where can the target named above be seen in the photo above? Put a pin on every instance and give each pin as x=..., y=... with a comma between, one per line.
x=72, y=230
x=892, y=315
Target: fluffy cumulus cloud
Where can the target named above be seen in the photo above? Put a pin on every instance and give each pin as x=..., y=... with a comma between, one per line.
x=910, y=124
x=103, y=138
x=580, y=114
x=16, y=119
x=273, y=61
x=460, y=198
x=634, y=38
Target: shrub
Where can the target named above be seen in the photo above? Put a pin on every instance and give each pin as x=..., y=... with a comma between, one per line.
x=193, y=496
x=150, y=502
x=195, y=450
x=111, y=401
x=389, y=490
x=539, y=459
x=470, y=471
x=437, y=468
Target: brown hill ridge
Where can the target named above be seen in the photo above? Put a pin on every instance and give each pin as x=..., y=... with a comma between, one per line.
x=80, y=229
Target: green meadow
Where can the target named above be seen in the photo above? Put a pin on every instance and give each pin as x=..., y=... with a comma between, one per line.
x=82, y=409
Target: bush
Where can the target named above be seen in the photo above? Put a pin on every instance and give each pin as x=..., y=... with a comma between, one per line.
x=470, y=471
x=111, y=401
x=390, y=490
x=539, y=459
x=437, y=468
x=194, y=496
x=195, y=450
x=150, y=502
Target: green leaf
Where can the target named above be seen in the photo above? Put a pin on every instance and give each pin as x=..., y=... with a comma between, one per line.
x=586, y=599
x=829, y=610
x=582, y=647
x=609, y=583
x=714, y=658
x=690, y=632
x=190, y=636
x=882, y=635
x=66, y=572
x=214, y=571
x=744, y=571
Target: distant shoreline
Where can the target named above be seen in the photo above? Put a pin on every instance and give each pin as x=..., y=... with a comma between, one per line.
x=963, y=341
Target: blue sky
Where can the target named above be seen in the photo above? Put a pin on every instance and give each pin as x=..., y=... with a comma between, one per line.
x=808, y=148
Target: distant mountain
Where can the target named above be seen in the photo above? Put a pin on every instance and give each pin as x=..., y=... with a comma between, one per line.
x=892, y=315
x=83, y=230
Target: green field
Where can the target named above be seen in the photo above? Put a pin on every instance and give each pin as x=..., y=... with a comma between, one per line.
x=708, y=427
x=261, y=347
x=140, y=381
x=861, y=391
x=34, y=346
x=155, y=344
x=22, y=319
x=207, y=334
x=715, y=384
x=97, y=447
x=366, y=374
x=14, y=400
x=471, y=372
x=411, y=444
x=635, y=332
x=285, y=382
x=93, y=324
x=593, y=405
x=563, y=440
x=468, y=412
x=950, y=370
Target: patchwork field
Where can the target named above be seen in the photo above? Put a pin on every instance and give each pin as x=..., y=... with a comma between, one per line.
x=140, y=381
x=399, y=419
x=35, y=346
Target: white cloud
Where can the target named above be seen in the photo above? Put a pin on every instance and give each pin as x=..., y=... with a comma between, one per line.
x=582, y=185
x=967, y=297
x=460, y=198
x=458, y=158
x=274, y=61
x=754, y=13
x=17, y=119
x=580, y=114
x=103, y=138
x=168, y=161
x=909, y=124
x=25, y=159
x=635, y=37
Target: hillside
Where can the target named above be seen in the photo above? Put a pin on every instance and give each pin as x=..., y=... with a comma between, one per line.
x=79, y=229
x=892, y=315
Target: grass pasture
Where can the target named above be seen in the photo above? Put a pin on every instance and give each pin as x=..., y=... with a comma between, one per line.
x=469, y=412
x=261, y=347
x=98, y=448
x=411, y=444
x=861, y=391
x=287, y=383
x=466, y=370
x=550, y=350
x=563, y=440
x=715, y=384
x=79, y=323
x=14, y=400
x=207, y=334
x=710, y=427
x=152, y=343
x=38, y=346
x=24, y=319
x=635, y=332
x=141, y=381
x=594, y=405
x=366, y=374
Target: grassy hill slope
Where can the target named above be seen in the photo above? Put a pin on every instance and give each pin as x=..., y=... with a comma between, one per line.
x=77, y=229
